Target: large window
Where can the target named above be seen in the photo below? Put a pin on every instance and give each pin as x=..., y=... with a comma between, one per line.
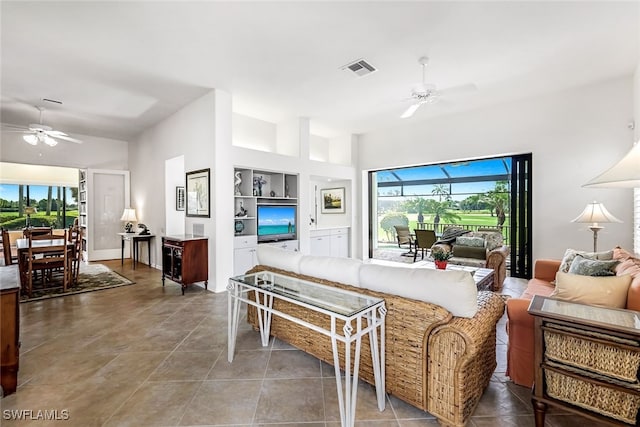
x=472, y=194
x=55, y=206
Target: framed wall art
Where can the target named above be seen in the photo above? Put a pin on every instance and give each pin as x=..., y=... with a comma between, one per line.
x=180, y=199
x=332, y=200
x=198, y=201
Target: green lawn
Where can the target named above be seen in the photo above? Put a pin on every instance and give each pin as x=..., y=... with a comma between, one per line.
x=472, y=218
x=12, y=221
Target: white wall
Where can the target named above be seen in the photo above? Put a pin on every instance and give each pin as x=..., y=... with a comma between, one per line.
x=636, y=192
x=190, y=132
x=173, y=177
x=335, y=219
x=94, y=152
x=574, y=135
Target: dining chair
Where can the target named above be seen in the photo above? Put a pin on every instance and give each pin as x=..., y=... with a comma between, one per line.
x=10, y=253
x=75, y=237
x=36, y=231
x=47, y=259
x=424, y=240
x=403, y=235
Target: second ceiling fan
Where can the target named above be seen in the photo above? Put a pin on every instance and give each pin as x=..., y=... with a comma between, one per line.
x=425, y=93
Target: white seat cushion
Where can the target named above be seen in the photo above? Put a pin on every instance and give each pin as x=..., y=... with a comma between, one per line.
x=453, y=290
x=341, y=270
x=279, y=258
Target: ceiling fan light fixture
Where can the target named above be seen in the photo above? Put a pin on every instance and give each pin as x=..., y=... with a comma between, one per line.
x=30, y=139
x=50, y=141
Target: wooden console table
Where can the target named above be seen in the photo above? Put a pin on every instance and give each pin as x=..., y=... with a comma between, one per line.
x=185, y=259
x=136, y=239
x=586, y=361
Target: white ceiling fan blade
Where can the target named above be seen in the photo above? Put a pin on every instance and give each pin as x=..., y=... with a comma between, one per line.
x=457, y=90
x=409, y=112
x=63, y=136
x=9, y=127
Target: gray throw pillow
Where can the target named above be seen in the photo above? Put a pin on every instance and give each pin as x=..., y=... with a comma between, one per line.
x=475, y=242
x=591, y=267
x=570, y=254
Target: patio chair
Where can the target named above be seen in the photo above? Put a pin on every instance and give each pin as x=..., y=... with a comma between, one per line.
x=403, y=235
x=424, y=240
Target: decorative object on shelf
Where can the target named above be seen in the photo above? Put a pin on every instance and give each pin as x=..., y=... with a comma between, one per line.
x=332, y=200
x=258, y=182
x=595, y=213
x=239, y=227
x=286, y=190
x=180, y=198
x=272, y=193
x=30, y=210
x=441, y=258
x=145, y=230
x=242, y=212
x=198, y=201
x=129, y=215
x=237, y=182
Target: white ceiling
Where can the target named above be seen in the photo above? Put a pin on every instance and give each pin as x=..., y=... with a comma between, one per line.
x=120, y=67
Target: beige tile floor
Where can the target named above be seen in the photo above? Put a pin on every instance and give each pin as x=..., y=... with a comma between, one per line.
x=146, y=355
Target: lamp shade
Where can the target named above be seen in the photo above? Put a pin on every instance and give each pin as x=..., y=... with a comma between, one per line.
x=624, y=174
x=129, y=215
x=30, y=210
x=595, y=213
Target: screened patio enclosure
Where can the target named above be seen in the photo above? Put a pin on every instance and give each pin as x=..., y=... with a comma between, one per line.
x=483, y=193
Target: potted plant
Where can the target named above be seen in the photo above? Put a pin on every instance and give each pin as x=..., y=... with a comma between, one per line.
x=440, y=257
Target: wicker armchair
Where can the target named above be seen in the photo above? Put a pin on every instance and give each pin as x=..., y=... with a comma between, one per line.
x=434, y=361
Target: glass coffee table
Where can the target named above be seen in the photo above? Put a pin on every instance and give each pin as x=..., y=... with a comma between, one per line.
x=361, y=314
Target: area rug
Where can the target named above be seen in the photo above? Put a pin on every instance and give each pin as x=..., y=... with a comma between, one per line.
x=92, y=277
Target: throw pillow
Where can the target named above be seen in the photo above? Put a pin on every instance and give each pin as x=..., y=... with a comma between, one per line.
x=493, y=239
x=570, y=254
x=450, y=233
x=474, y=242
x=602, y=291
x=591, y=267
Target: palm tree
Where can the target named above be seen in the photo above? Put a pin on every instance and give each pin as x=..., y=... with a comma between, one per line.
x=441, y=210
x=440, y=190
x=498, y=199
x=419, y=204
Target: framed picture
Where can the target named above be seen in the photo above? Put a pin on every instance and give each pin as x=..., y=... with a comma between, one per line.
x=198, y=202
x=332, y=200
x=180, y=198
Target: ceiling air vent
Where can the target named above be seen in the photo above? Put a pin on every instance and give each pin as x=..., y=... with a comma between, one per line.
x=360, y=68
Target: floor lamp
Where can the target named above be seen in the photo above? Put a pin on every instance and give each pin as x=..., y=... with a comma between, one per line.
x=595, y=213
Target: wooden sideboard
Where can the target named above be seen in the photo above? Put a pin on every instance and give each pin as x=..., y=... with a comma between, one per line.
x=586, y=361
x=9, y=328
x=185, y=259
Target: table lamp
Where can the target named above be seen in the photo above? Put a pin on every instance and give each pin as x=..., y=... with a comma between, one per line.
x=595, y=213
x=129, y=215
x=30, y=210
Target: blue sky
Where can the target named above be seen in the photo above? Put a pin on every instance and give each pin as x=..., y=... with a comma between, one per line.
x=37, y=192
x=282, y=215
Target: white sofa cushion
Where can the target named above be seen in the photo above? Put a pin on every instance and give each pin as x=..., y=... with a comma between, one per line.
x=454, y=290
x=341, y=270
x=279, y=258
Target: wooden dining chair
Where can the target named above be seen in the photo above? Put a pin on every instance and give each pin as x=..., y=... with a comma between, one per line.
x=37, y=231
x=46, y=259
x=75, y=237
x=424, y=240
x=10, y=253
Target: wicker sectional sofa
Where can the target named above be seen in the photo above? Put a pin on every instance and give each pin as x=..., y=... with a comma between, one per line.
x=435, y=361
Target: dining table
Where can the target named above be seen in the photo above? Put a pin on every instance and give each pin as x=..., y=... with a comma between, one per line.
x=44, y=246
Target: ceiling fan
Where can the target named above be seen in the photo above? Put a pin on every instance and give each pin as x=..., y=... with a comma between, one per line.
x=35, y=133
x=426, y=93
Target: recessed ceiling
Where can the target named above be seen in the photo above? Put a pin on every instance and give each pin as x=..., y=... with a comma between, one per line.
x=120, y=67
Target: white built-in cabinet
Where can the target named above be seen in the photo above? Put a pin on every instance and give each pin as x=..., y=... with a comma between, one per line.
x=254, y=188
x=330, y=242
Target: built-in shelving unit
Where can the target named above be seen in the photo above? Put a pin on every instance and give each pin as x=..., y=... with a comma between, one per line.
x=254, y=188
x=83, y=210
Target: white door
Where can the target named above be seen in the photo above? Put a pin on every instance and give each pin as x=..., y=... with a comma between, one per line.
x=108, y=196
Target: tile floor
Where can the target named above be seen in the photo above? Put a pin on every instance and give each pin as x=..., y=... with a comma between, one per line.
x=146, y=355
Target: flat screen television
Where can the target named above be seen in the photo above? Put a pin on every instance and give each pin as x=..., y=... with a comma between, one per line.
x=276, y=222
